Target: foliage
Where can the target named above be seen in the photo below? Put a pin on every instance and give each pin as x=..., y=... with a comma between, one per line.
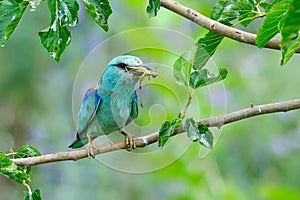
x=18, y=173
x=191, y=74
x=100, y=11
x=280, y=16
x=57, y=36
x=199, y=132
x=167, y=130
x=36, y=195
x=11, y=170
x=11, y=13
x=153, y=7
x=289, y=29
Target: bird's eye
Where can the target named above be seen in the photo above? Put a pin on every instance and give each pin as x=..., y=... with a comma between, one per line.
x=122, y=65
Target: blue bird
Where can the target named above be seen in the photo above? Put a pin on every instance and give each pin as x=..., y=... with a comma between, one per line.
x=112, y=103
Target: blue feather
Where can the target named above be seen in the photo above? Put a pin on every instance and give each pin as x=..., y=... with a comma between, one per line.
x=88, y=109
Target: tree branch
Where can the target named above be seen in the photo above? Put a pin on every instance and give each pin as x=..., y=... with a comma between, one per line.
x=152, y=138
x=217, y=27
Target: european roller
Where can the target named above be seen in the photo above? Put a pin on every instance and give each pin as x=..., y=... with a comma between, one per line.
x=112, y=103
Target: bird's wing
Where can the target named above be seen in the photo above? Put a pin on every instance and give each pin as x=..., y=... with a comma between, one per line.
x=134, y=106
x=88, y=108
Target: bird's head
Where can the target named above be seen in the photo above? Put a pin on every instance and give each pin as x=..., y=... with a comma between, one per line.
x=124, y=72
x=132, y=66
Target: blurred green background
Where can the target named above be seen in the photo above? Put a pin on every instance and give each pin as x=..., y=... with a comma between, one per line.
x=252, y=159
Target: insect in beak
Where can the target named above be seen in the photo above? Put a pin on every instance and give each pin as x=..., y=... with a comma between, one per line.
x=143, y=71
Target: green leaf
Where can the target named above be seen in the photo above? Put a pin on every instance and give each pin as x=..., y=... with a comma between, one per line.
x=223, y=12
x=197, y=131
x=246, y=12
x=55, y=40
x=205, y=136
x=153, y=7
x=191, y=127
x=167, y=130
x=218, y=9
x=265, y=6
x=206, y=47
x=182, y=68
x=99, y=10
x=270, y=26
x=226, y=14
x=289, y=29
x=11, y=12
x=252, y=2
x=26, y=151
x=203, y=77
x=57, y=37
x=4, y=160
x=36, y=195
x=11, y=170
x=33, y=4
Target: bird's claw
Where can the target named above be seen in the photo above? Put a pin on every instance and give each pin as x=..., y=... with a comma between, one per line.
x=129, y=141
x=90, y=148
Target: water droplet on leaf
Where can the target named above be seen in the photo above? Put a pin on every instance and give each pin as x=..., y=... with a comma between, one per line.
x=53, y=55
x=34, y=4
x=68, y=40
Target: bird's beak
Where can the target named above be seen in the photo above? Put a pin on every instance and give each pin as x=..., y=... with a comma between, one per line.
x=143, y=70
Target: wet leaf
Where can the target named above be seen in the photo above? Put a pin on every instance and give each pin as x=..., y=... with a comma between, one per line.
x=99, y=10
x=57, y=37
x=203, y=77
x=191, y=128
x=153, y=7
x=33, y=4
x=205, y=136
x=11, y=170
x=167, y=130
x=197, y=131
x=11, y=12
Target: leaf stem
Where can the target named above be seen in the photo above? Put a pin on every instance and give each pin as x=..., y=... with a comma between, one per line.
x=188, y=103
x=248, y=18
x=28, y=187
x=260, y=13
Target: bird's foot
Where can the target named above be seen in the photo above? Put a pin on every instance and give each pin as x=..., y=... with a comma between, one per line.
x=90, y=148
x=129, y=141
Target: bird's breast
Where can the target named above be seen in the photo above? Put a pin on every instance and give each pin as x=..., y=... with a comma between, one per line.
x=113, y=112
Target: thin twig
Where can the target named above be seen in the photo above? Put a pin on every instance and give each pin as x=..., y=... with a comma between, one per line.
x=152, y=138
x=217, y=27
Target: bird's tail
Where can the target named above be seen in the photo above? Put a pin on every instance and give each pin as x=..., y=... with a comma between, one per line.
x=78, y=142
